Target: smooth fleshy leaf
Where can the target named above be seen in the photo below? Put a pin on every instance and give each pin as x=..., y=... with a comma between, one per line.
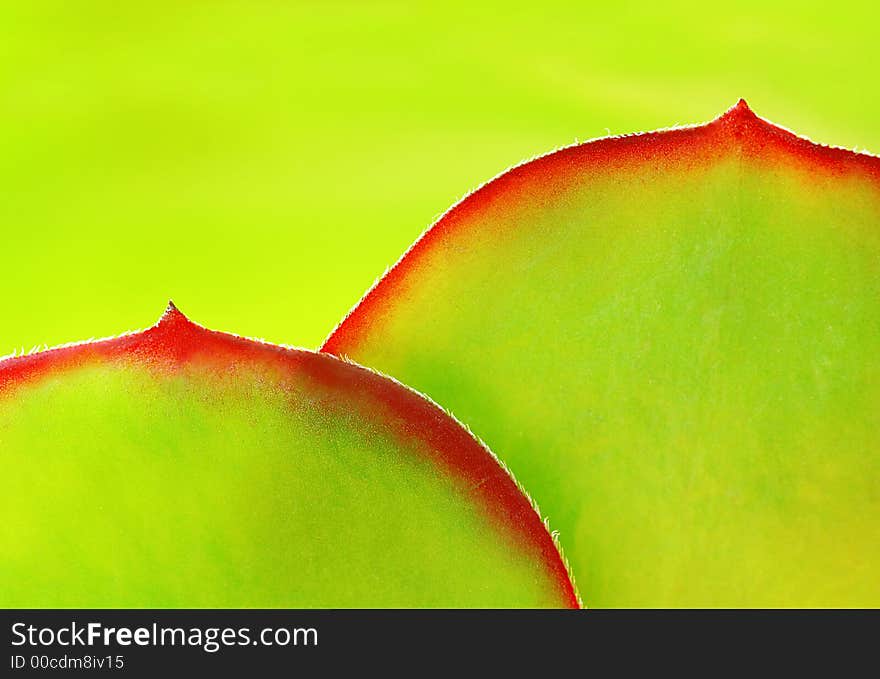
x=673, y=340
x=180, y=467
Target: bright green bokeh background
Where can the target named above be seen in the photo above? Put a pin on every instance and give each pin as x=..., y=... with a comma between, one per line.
x=262, y=162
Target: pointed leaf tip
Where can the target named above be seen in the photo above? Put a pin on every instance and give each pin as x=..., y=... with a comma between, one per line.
x=739, y=111
x=172, y=314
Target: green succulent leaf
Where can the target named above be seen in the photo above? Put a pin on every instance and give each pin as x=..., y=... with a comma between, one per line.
x=673, y=340
x=180, y=467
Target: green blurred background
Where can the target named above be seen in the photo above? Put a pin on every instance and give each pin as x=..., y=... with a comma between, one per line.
x=262, y=162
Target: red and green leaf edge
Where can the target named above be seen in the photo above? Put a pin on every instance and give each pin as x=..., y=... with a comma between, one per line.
x=739, y=130
x=175, y=341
